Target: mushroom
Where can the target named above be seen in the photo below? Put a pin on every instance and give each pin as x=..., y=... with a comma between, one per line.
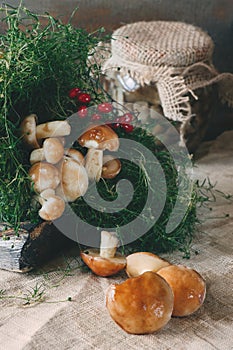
x=94, y=164
x=32, y=133
x=188, y=286
x=44, y=176
x=111, y=167
x=74, y=180
x=75, y=154
x=52, y=151
x=140, y=262
x=52, y=206
x=142, y=304
x=56, y=128
x=98, y=138
x=107, y=261
x=28, y=130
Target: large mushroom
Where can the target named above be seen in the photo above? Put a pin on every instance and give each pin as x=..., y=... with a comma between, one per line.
x=33, y=133
x=142, y=304
x=44, y=176
x=97, y=139
x=74, y=180
x=188, y=286
x=106, y=261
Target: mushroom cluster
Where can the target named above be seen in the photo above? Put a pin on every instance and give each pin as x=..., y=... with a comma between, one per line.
x=155, y=291
x=62, y=175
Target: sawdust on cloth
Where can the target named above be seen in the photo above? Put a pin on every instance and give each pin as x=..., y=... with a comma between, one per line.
x=84, y=322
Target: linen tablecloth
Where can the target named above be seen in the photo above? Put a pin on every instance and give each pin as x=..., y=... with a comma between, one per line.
x=51, y=321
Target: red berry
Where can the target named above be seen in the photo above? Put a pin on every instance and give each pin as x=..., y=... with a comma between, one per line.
x=127, y=127
x=115, y=125
x=74, y=92
x=96, y=116
x=126, y=118
x=84, y=98
x=82, y=111
x=105, y=107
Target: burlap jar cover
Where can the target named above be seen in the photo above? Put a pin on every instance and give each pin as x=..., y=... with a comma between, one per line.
x=175, y=56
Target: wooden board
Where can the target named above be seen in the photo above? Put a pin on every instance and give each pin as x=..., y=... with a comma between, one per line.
x=31, y=246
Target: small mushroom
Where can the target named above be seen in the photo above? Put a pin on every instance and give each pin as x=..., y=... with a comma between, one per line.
x=100, y=137
x=188, y=286
x=75, y=154
x=52, y=206
x=32, y=133
x=52, y=151
x=28, y=130
x=44, y=176
x=140, y=262
x=74, y=180
x=111, y=167
x=107, y=261
x=142, y=304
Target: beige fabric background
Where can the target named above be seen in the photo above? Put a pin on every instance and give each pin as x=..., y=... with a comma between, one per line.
x=84, y=323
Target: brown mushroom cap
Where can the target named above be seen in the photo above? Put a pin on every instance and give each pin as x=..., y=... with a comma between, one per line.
x=75, y=154
x=52, y=205
x=111, y=167
x=28, y=130
x=37, y=155
x=101, y=137
x=44, y=175
x=141, y=304
x=103, y=266
x=53, y=150
x=188, y=286
x=74, y=180
x=140, y=262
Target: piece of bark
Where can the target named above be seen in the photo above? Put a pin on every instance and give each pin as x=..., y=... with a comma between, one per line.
x=31, y=246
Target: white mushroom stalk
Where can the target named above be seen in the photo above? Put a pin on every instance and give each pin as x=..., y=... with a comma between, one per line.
x=94, y=164
x=55, y=128
x=108, y=244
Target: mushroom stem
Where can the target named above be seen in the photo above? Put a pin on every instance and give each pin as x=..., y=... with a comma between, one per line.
x=94, y=164
x=108, y=244
x=55, y=128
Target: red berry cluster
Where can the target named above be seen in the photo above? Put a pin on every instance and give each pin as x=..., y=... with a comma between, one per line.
x=82, y=99
x=102, y=110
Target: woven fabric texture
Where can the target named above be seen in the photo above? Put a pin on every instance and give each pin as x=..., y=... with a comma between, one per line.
x=84, y=323
x=175, y=56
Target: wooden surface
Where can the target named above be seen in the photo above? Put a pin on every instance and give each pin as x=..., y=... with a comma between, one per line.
x=30, y=246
